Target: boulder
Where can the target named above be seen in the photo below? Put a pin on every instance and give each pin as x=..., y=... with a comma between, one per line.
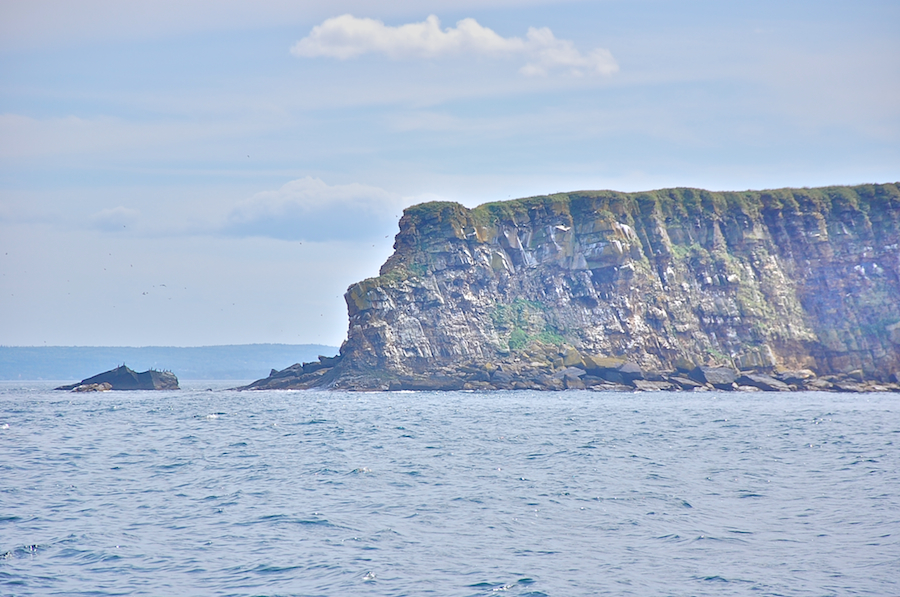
x=614, y=370
x=572, y=358
x=822, y=385
x=596, y=365
x=93, y=387
x=795, y=377
x=630, y=371
x=718, y=377
x=569, y=373
x=763, y=382
x=685, y=383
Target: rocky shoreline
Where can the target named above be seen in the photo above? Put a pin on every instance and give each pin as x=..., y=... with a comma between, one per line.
x=570, y=370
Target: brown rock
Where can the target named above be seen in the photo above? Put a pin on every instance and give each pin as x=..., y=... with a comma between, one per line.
x=573, y=359
x=595, y=364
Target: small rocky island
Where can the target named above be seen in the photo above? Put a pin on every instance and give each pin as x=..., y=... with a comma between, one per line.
x=124, y=378
x=676, y=289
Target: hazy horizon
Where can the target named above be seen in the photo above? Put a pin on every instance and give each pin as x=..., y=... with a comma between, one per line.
x=73, y=363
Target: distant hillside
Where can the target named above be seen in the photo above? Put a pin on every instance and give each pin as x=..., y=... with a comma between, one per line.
x=240, y=361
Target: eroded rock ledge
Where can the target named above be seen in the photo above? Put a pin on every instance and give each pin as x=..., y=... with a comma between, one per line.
x=784, y=289
x=576, y=372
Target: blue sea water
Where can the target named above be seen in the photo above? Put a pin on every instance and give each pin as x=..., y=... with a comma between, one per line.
x=218, y=492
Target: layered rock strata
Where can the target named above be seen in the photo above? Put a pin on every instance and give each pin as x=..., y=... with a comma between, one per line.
x=644, y=290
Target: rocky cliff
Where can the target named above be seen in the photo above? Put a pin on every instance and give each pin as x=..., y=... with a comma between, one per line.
x=513, y=294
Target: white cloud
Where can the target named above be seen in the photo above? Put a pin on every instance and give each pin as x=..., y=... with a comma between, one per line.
x=347, y=37
x=548, y=53
x=309, y=209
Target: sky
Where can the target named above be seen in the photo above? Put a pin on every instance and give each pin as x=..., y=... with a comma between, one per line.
x=201, y=172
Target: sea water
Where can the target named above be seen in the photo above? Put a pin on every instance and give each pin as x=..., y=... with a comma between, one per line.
x=216, y=492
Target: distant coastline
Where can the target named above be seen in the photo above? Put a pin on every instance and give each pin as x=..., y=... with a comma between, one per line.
x=235, y=361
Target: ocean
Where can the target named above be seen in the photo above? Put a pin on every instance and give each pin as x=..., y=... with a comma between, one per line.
x=207, y=491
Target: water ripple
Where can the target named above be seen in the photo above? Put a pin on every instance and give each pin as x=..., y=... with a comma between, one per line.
x=458, y=494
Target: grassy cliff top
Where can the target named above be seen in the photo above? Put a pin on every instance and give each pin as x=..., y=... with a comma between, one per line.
x=673, y=202
x=427, y=226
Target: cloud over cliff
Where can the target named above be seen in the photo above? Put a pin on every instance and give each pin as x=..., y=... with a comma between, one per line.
x=346, y=37
x=310, y=209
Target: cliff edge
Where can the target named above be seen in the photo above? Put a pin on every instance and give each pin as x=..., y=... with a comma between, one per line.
x=516, y=293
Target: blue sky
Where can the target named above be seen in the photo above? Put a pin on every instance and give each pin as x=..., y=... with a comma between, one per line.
x=199, y=172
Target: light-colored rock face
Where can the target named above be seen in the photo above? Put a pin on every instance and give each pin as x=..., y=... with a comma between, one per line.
x=791, y=278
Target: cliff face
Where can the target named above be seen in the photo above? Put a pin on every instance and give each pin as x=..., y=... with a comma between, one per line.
x=785, y=279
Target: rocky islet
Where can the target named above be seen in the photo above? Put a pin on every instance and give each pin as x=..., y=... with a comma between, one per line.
x=125, y=378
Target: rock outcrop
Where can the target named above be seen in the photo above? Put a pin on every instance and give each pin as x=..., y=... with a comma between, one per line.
x=298, y=376
x=671, y=289
x=124, y=378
